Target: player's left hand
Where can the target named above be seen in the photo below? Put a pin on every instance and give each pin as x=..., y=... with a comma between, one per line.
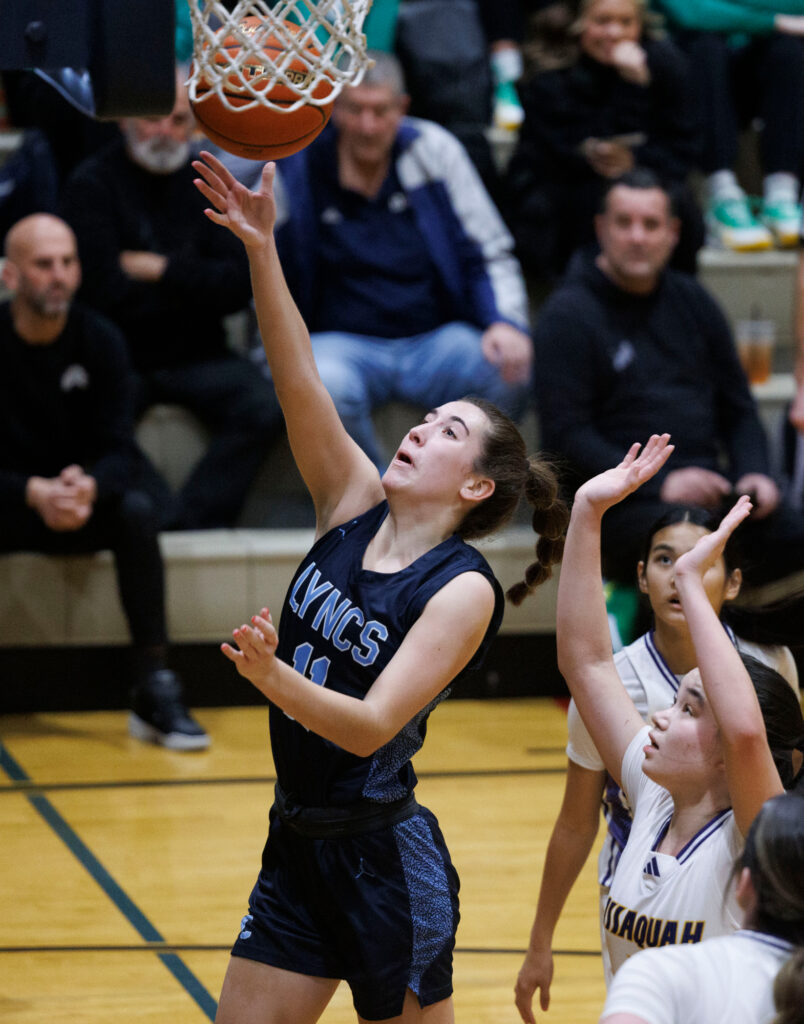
x=709, y=548
x=254, y=653
x=510, y=349
x=763, y=490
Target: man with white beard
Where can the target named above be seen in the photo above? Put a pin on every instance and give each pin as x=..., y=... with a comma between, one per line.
x=158, y=268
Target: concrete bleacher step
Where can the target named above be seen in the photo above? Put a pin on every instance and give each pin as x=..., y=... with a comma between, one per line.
x=761, y=283
x=215, y=580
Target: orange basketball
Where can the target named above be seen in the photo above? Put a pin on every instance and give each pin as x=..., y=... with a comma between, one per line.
x=262, y=133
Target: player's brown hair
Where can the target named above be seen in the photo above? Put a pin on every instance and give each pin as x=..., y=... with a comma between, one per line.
x=774, y=854
x=505, y=460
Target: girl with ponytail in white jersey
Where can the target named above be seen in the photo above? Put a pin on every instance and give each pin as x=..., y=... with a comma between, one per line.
x=697, y=778
x=651, y=669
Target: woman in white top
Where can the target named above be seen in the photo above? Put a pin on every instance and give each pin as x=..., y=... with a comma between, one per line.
x=651, y=669
x=697, y=778
x=736, y=978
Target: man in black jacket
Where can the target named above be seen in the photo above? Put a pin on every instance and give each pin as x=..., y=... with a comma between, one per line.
x=626, y=347
x=67, y=456
x=167, y=276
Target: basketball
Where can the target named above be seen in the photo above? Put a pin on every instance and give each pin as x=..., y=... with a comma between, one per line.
x=262, y=132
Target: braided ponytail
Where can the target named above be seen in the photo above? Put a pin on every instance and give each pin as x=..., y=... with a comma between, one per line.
x=549, y=521
x=515, y=474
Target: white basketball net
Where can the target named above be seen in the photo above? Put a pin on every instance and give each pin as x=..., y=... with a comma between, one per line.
x=333, y=27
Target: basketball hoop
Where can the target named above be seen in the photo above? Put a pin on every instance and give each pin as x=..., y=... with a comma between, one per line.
x=229, y=58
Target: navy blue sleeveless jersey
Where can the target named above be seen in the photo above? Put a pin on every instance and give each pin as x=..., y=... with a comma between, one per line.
x=340, y=627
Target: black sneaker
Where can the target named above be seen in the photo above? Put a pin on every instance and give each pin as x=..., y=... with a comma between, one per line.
x=159, y=715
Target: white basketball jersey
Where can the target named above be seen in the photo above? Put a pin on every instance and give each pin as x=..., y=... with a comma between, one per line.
x=657, y=899
x=726, y=979
x=652, y=686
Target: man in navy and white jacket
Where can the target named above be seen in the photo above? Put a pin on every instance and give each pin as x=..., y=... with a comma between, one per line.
x=400, y=262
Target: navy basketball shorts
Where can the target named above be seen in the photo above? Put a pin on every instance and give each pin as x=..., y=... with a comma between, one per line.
x=378, y=910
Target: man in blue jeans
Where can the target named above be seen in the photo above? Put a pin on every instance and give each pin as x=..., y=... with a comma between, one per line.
x=400, y=262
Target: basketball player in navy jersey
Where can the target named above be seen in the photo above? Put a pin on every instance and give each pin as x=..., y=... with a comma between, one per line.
x=387, y=610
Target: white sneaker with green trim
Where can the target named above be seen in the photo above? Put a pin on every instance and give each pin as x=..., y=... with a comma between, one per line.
x=782, y=217
x=732, y=225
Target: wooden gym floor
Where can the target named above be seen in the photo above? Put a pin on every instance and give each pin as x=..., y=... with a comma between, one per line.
x=125, y=869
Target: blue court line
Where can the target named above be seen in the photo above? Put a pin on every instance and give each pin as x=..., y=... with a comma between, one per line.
x=180, y=971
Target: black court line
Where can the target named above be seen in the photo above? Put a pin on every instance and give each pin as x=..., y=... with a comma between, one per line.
x=180, y=971
x=27, y=785
x=152, y=947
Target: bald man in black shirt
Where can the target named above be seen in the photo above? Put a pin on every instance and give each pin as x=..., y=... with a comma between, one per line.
x=68, y=455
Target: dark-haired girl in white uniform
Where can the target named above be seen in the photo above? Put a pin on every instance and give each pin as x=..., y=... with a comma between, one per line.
x=697, y=778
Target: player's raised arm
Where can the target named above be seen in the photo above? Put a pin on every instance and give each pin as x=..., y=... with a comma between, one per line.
x=336, y=471
x=584, y=643
x=751, y=774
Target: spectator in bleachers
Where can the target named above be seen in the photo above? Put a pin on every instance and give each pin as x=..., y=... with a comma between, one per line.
x=161, y=271
x=71, y=133
x=68, y=456
x=506, y=23
x=747, y=63
x=28, y=180
x=400, y=262
x=626, y=346
x=444, y=53
x=611, y=96
x=651, y=668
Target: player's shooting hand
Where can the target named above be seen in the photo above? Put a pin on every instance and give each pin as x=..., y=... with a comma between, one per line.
x=606, y=489
x=509, y=349
x=249, y=215
x=535, y=973
x=254, y=653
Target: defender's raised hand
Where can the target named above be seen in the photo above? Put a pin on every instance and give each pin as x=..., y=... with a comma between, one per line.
x=610, y=487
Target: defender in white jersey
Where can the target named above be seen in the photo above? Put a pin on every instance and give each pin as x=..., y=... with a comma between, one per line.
x=744, y=978
x=707, y=758
x=651, y=669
